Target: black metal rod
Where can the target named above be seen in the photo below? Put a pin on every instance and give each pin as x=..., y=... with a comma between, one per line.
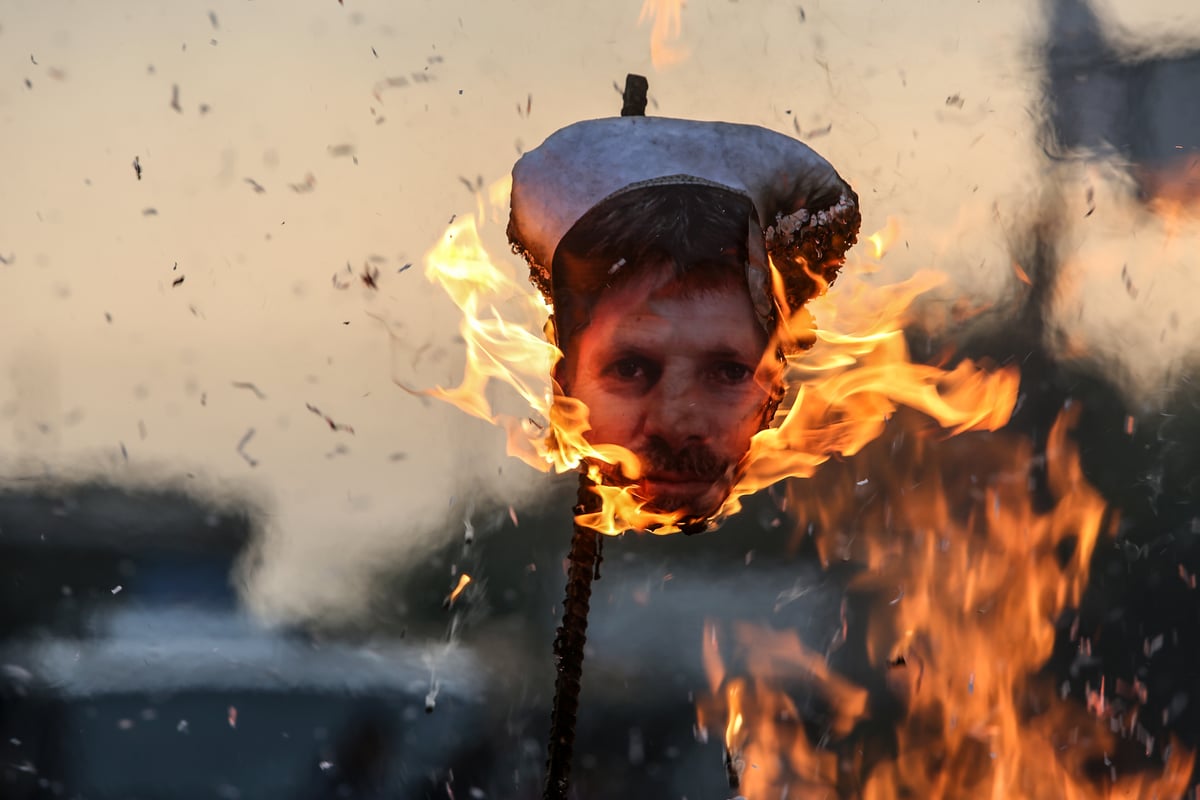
x=634, y=96
x=583, y=565
x=733, y=772
x=568, y=647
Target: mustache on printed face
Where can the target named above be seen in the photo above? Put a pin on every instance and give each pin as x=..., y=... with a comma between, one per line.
x=681, y=477
x=694, y=462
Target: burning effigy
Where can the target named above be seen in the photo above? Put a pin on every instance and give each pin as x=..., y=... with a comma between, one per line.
x=744, y=230
x=676, y=256
x=681, y=349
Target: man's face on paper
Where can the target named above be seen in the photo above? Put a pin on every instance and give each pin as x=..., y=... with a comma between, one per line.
x=674, y=374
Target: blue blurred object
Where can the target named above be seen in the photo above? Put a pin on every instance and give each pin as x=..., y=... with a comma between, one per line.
x=1114, y=97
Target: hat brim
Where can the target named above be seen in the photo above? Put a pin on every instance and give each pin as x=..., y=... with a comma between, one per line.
x=808, y=211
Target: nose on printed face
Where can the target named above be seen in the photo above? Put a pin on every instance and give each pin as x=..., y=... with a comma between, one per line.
x=678, y=415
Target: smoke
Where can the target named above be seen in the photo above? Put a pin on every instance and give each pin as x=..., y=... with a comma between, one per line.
x=272, y=219
x=1099, y=241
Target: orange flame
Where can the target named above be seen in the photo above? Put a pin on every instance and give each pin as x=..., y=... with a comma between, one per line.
x=854, y=378
x=971, y=578
x=463, y=580
x=666, y=26
x=733, y=728
x=857, y=375
x=1021, y=274
x=1172, y=189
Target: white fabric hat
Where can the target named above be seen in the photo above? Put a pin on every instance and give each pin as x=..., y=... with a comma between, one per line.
x=808, y=213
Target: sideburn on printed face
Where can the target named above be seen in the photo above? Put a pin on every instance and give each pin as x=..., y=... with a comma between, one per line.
x=670, y=372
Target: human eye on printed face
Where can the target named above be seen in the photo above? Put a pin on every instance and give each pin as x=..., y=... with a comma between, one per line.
x=631, y=371
x=729, y=372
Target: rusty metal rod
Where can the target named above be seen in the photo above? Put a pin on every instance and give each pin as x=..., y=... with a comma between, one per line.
x=568, y=646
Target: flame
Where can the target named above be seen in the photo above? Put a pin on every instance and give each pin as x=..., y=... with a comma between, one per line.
x=463, y=580
x=881, y=241
x=666, y=26
x=965, y=577
x=1021, y=274
x=1172, y=190
x=734, y=728
x=853, y=379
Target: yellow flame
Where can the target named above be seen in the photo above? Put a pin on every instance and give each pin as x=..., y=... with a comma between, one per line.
x=845, y=388
x=666, y=26
x=463, y=580
x=496, y=349
x=881, y=241
x=491, y=201
x=857, y=375
x=735, y=716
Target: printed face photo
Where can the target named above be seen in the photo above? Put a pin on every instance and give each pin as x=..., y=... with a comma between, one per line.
x=677, y=373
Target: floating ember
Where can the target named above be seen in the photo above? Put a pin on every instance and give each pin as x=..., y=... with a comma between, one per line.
x=463, y=580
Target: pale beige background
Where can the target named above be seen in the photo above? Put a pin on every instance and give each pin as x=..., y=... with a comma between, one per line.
x=285, y=80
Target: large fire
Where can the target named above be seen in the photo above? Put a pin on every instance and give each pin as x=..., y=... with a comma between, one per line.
x=964, y=576
x=970, y=573
x=843, y=390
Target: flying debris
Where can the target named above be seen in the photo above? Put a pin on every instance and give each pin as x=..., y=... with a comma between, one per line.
x=241, y=450
x=369, y=277
x=333, y=426
x=250, y=387
x=309, y=183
